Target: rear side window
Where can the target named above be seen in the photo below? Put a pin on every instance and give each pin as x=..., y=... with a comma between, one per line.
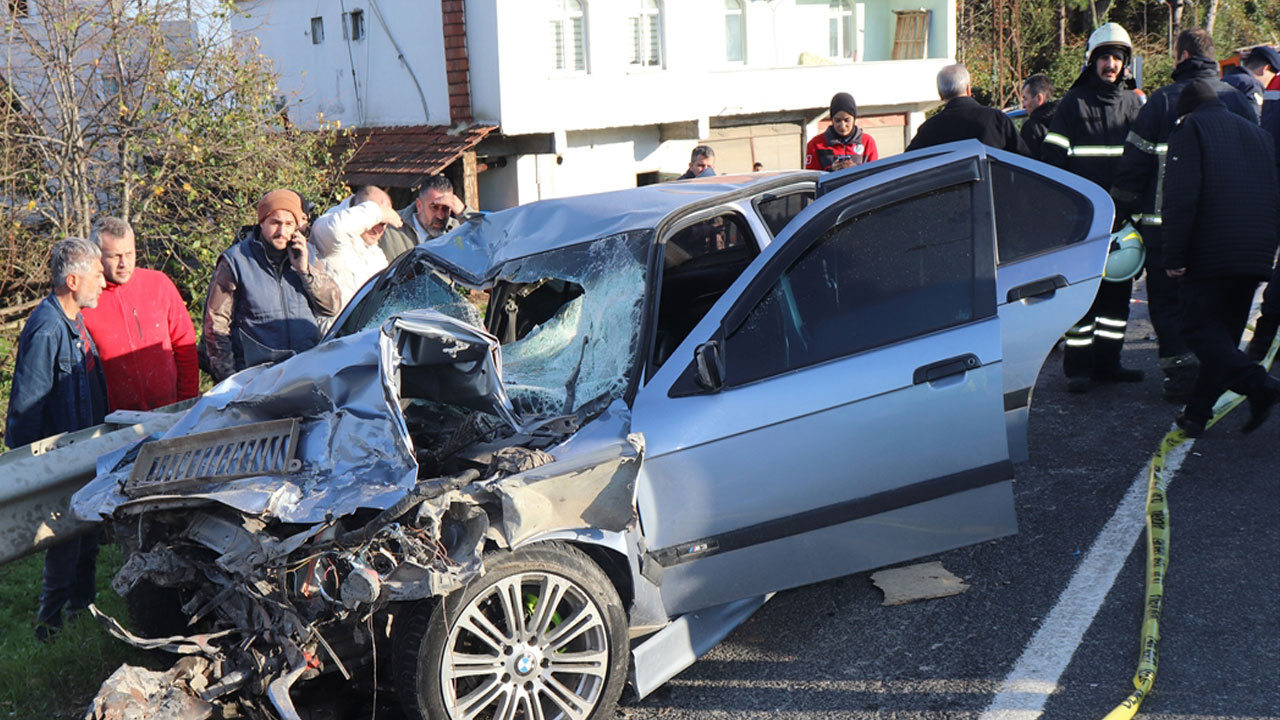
x=1035, y=214
x=777, y=211
x=893, y=273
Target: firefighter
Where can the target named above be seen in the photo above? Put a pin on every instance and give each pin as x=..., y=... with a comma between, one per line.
x=1086, y=137
x=1137, y=186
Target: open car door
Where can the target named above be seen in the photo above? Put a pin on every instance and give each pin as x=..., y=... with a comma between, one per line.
x=841, y=406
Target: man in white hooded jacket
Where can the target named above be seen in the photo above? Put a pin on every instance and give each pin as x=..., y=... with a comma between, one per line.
x=346, y=240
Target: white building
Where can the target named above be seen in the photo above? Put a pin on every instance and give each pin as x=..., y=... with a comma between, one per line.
x=590, y=95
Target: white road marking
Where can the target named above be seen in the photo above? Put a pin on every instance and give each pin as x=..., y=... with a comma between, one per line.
x=1035, y=675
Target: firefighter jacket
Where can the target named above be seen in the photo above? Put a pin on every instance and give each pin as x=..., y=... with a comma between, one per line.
x=1139, y=178
x=1209, y=231
x=1087, y=133
x=823, y=150
x=1244, y=81
x=1036, y=126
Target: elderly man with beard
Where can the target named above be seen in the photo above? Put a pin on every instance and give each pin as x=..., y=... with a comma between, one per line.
x=347, y=241
x=59, y=386
x=266, y=294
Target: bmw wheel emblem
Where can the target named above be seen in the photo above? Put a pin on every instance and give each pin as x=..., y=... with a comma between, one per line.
x=524, y=665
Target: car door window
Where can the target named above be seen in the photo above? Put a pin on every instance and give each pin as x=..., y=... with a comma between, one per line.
x=1035, y=214
x=699, y=263
x=882, y=276
x=777, y=210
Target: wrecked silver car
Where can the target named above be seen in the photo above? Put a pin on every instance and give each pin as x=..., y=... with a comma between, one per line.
x=681, y=398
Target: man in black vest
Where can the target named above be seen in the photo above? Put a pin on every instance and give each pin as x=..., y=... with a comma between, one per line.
x=1218, y=248
x=266, y=293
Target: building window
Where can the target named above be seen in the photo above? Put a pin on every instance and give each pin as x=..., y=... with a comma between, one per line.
x=646, y=34
x=317, y=30
x=735, y=31
x=911, y=36
x=840, y=29
x=18, y=9
x=568, y=37
x=354, y=29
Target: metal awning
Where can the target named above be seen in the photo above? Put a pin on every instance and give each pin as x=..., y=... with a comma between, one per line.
x=403, y=156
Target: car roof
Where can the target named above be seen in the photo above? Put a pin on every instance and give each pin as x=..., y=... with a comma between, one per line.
x=484, y=243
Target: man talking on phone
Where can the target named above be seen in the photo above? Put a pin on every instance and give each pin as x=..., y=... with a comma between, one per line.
x=266, y=293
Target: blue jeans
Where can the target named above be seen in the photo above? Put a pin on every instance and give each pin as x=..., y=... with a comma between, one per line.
x=68, y=578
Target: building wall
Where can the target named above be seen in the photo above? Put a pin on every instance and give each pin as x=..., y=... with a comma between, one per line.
x=359, y=82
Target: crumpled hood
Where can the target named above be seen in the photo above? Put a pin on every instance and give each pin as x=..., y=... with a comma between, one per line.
x=353, y=444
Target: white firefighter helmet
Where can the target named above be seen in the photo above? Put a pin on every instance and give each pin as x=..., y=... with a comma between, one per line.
x=1109, y=34
x=1127, y=255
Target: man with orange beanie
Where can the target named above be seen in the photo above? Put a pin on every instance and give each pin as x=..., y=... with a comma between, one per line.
x=266, y=293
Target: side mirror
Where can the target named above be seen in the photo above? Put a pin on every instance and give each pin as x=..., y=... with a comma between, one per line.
x=708, y=362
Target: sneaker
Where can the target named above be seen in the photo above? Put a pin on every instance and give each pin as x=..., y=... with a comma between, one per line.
x=1119, y=374
x=1260, y=403
x=1078, y=385
x=1191, y=427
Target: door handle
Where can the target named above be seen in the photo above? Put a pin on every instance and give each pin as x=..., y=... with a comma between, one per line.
x=957, y=365
x=1042, y=288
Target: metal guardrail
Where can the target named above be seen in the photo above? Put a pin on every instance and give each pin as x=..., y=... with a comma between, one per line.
x=38, y=480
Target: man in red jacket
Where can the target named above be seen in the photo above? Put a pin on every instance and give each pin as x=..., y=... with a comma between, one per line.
x=142, y=328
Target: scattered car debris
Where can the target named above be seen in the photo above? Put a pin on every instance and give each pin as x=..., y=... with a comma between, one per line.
x=922, y=581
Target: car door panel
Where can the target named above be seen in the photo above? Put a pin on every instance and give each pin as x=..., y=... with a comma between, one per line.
x=741, y=488
x=1053, y=231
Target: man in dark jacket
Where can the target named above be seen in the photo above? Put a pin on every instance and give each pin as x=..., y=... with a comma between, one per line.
x=1253, y=74
x=1219, y=248
x=1136, y=190
x=1037, y=100
x=265, y=293
x=963, y=118
x=58, y=386
x=1086, y=137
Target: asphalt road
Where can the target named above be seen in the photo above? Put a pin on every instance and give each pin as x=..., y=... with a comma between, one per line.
x=832, y=651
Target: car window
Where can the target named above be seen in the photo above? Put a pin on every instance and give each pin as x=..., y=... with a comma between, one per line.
x=699, y=263
x=416, y=285
x=886, y=275
x=569, y=321
x=1035, y=214
x=777, y=211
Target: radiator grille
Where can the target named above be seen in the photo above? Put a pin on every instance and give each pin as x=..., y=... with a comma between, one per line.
x=266, y=448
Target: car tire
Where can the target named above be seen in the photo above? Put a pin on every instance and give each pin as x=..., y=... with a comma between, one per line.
x=489, y=650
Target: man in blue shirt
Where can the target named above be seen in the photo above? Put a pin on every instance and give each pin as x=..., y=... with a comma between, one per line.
x=59, y=386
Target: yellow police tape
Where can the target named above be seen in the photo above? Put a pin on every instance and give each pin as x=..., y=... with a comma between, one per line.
x=1158, y=554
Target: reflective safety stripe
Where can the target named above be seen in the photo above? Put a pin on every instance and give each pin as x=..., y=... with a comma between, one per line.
x=1152, y=219
x=1061, y=141
x=1110, y=335
x=1111, y=322
x=1271, y=95
x=1097, y=150
x=1077, y=342
x=1141, y=143
x=1081, y=329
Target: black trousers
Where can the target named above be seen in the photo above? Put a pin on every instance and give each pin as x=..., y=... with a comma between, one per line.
x=1093, y=344
x=68, y=577
x=1270, y=318
x=1162, y=298
x=1214, y=313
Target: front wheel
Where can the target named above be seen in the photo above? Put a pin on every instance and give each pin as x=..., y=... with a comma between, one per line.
x=540, y=636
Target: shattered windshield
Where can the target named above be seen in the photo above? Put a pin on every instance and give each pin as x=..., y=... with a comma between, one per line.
x=416, y=286
x=569, y=321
